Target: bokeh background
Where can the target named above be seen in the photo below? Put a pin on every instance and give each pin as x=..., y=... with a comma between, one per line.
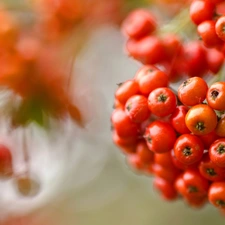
x=84, y=179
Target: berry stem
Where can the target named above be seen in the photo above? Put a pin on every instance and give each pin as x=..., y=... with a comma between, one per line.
x=180, y=24
x=25, y=151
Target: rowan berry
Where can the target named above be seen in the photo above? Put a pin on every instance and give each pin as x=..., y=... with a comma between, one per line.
x=138, y=24
x=201, y=10
x=126, y=90
x=143, y=152
x=147, y=50
x=196, y=185
x=123, y=125
x=215, y=96
x=217, y=152
x=209, y=170
x=152, y=79
x=192, y=91
x=162, y=102
x=207, y=32
x=177, y=119
x=137, y=108
x=201, y=119
x=216, y=194
x=166, y=188
x=215, y=59
x=220, y=28
x=160, y=136
x=188, y=149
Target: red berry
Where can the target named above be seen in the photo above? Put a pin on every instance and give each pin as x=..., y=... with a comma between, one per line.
x=127, y=145
x=137, y=108
x=139, y=23
x=135, y=162
x=126, y=90
x=188, y=149
x=172, y=45
x=6, y=167
x=124, y=127
x=143, y=152
x=148, y=50
x=220, y=28
x=209, y=170
x=207, y=32
x=160, y=137
x=152, y=79
x=192, y=91
x=167, y=190
x=196, y=185
x=217, y=152
x=164, y=159
x=193, y=59
x=201, y=119
x=217, y=194
x=215, y=59
x=162, y=102
x=209, y=138
x=169, y=174
x=177, y=119
x=215, y=96
x=201, y=10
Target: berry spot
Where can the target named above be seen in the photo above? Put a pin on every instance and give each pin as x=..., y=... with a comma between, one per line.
x=221, y=149
x=186, y=82
x=200, y=126
x=187, y=151
x=220, y=203
x=148, y=139
x=211, y=172
x=129, y=107
x=192, y=189
x=162, y=98
x=214, y=94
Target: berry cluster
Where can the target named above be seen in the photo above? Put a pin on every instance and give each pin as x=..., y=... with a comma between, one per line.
x=168, y=51
x=210, y=25
x=29, y=66
x=178, y=136
x=37, y=55
x=37, y=59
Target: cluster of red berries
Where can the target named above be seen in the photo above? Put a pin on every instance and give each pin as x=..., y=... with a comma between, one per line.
x=29, y=66
x=168, y=51
x=36, y=67
x=210, y=24
x=177, y=136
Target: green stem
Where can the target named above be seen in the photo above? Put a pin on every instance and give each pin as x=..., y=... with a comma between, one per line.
x=180, y=24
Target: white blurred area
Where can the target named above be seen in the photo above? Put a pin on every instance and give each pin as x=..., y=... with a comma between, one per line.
x=83, y=177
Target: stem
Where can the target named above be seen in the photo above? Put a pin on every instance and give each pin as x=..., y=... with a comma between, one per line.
x=179, y=24
x=25, y=151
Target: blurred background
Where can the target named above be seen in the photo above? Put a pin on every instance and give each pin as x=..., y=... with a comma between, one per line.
x=83, y=179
